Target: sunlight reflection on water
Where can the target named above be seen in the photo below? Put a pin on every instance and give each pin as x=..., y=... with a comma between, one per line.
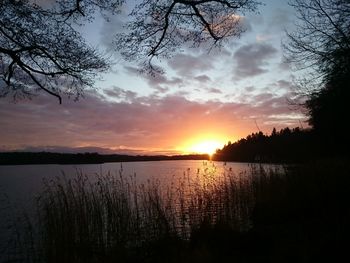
x=21, y=183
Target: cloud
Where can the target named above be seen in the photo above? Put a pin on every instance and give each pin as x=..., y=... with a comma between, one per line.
x=188, y=65
x=91, y=149
x=149, y=123
x=202, y=78
x=112, y=25
x=280, y=18
x=44, y=3
x=214, y=90
x=284, y=84
x=157, y=81
x=245, y=23
x=284, y=66
x=121, y=94
x=250, y=88
x=263, y=37
x=251, y=59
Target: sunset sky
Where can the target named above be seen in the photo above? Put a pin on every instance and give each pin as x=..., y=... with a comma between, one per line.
x=201, y=99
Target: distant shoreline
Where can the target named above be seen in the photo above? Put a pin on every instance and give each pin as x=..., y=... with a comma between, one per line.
x=26, y=158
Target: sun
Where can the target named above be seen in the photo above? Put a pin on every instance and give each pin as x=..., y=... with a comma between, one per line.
x=205, y=143
x=206, y=147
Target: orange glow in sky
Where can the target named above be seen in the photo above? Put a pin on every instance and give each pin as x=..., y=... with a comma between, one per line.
x=208, y=147
x=203, y=145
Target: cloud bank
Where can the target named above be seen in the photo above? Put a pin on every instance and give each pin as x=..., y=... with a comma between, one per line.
x=138, y=124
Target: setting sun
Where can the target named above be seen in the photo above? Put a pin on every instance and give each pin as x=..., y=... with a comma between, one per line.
x=205, y=147
x=208, y=147
x=205, y=143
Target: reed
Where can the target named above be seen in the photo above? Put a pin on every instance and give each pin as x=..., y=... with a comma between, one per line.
x=261, y=215
x=82, y=220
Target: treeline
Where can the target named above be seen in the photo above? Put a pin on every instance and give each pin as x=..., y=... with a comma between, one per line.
x=17, y=158
x=284, y=146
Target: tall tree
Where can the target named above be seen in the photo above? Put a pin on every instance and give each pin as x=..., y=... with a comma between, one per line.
x=41, y=49
x=160, y=27
x=321, y=41
x=321, y=45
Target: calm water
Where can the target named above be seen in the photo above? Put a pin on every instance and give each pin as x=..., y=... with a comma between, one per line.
x=20, y=184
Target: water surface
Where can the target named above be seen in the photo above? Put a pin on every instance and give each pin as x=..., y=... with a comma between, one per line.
x=20, y=184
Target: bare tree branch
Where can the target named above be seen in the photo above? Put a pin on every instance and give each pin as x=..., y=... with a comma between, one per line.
x=321, y=41
x=177, y=23
x=40, y=48
x=37, y=43
x=320, y=47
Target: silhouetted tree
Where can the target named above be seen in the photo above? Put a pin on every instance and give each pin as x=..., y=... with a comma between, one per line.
x=41, y=49
x=329, y=111
x=284, y=146
x=160, y=27
x=274, y=132
x=321, y=41
x=321, y=44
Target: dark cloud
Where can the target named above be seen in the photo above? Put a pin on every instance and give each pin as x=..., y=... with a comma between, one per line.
x=261, y=98
x=214, y=90
x=281, y=86
x=202, y=78
x=251, y=59
x=118, y=93
x=284, y=84
x=250, y=88
x=157, y=81
x=143, y=123
x=132, y=70
x=188, y=65
x=101, y=150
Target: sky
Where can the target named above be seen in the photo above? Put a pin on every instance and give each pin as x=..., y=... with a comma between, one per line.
x=202, y=101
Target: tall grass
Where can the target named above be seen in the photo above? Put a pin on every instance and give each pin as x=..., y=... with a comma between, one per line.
x=81, y=220
x=261, y=215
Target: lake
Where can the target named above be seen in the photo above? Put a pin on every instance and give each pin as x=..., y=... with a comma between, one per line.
x=20, y=184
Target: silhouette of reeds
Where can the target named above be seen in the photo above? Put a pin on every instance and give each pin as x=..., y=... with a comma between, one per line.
x=81, y=219
x=286, y=214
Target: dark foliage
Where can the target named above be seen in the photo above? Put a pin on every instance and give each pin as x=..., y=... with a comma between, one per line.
x=285, y=146
x=18, y=158
x=321, y=44
x=300, y=214
x=303, y=215
x=329, y=111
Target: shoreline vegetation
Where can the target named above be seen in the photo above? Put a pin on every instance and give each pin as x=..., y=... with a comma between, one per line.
x=287, y=146
x=24, y=158
x=298, y=214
